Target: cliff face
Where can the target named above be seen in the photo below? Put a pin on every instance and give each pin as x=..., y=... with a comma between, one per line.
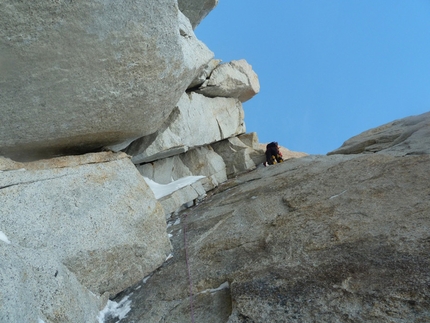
x=341, y=238
x=125, y=97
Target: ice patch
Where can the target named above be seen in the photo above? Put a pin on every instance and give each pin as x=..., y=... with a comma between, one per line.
x=4, y=238
x=161, y=190
x=115, y=310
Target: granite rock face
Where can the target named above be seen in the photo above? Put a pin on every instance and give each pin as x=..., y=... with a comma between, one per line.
x=78, y=75
x=327, y=239
x=407, y=136
x=314, y=239
x=93, y=217
x=196, y=121
x=37, y=287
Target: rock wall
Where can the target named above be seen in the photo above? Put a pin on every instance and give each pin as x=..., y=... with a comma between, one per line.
x=94, y=225
x=339, y=238
x=101, y=100
x=79, y=224
x=79, y=75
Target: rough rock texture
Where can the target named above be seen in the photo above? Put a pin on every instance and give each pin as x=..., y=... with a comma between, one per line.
x=196, y=121
x=79, y=75
x=405, y=136
x=235, y=79
x=196, y=10
x=237, y=155
x=35, y=286
x=95, y=214
x=314, y=239
x=345, y=235
x=205, y=73
x=202, y=161
x=182, y=198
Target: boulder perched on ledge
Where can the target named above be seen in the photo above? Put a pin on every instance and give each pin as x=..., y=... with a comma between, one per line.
x=231, y=80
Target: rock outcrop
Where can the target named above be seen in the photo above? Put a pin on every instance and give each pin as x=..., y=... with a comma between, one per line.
x=320, y=238
x=407, y=136
x=91, y=218
x=196, y=121
x=79, y=75
x=235, y=79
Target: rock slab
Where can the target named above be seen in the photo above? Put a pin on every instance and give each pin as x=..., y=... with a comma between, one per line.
x=314, y=239
x=93, y=216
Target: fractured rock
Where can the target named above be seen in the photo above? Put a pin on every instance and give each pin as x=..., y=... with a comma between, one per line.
x=314, y=239
x=237, y=155
x=196, y=121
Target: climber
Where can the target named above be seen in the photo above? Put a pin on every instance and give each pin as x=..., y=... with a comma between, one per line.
x=273, y=155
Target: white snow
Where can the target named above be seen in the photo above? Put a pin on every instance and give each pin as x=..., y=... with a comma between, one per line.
x=4, y=238
x=114, y=309
x=40, y=321
x=169, y=257
x=146, y=278
x=224, y=285
x=161, y=190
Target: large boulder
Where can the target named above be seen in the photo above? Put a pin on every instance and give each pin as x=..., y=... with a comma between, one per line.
x=314, y=239
x=232, y=80
x=196, y=10
x=79, y=75
x=407, y=136
x=196, y=121
x=94, y=213
x=37, y=287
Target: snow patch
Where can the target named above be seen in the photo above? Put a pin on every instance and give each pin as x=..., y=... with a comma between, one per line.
x=4, y=238
x=169, y=257
x=40, y=321
x=224, y=285
x=115, y=310
x=161, y=190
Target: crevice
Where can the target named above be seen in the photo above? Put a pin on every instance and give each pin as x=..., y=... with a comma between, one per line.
x=32, y=182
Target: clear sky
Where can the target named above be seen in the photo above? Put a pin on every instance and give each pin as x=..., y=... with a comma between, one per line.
x=328, y=69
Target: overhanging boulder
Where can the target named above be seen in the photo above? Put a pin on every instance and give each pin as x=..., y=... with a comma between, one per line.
x=231, y=80
x=76, y=75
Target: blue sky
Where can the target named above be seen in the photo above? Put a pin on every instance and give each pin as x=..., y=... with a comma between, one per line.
x=328, y=69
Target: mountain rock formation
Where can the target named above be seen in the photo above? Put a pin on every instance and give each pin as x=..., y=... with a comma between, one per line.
x=340, y=238
x=131, y=192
